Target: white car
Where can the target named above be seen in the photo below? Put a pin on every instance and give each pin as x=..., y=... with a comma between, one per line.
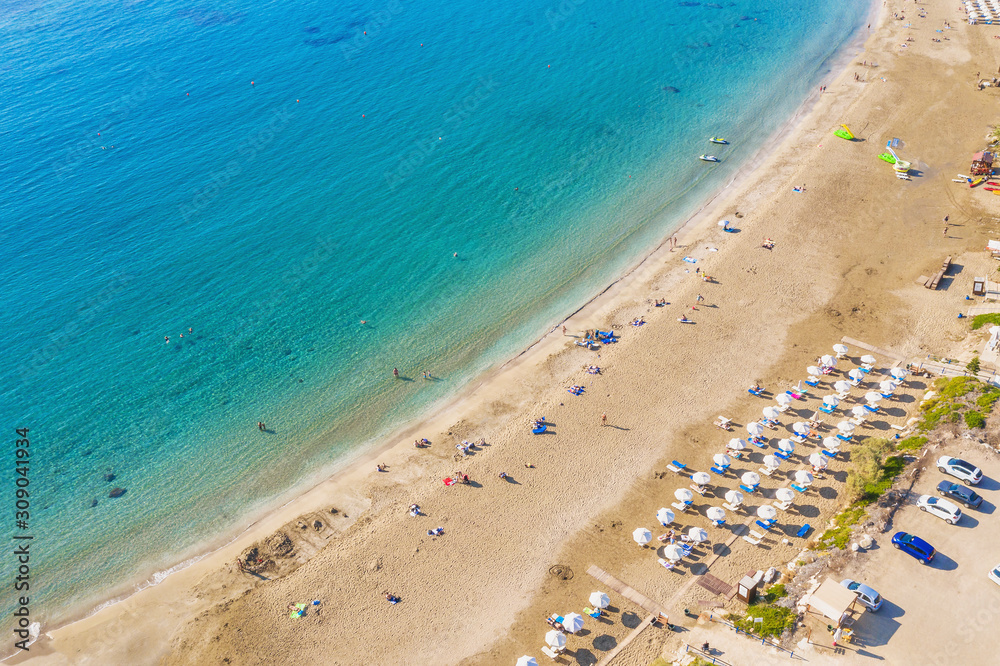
x=867, y=597
x=994, y=574
x=968, y=473
x=940, y=507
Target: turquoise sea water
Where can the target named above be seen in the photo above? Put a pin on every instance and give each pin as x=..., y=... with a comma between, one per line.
x=149, y=188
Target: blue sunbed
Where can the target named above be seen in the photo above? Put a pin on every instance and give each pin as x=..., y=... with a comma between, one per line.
x=799, y=488
x=804, y=530
x=827, y=410
x=763, y=525
x=748, y=489
x=539, y=429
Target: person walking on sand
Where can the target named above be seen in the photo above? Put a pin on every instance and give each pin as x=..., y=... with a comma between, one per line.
x=700, y=298
x=395, y=373
x=604, y=419
x=564, y=330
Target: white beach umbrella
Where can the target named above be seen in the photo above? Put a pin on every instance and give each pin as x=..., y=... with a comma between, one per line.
x=840, y=349
x=856, y=375
x=526, y=661
x=734, y=497
x=845, y=427
x=701, y=478
x=859, y=411
x=556, y=639
x=772, y=462
x=722, y=460
x=573, y=622
x=899, y=374
x=665, y=516
x=755, y=429
x=599, y=600
x=831, y=443
x=770, y=412
x=841, y=386
x=786, y=446
x=887, y=386
x=737, y=444
x=783, y=399
x=868, y=359
x=828, y=361
x=697, y=534
x=831, y=400
x=642, y=536
x=800, y=428
x=803, y=477
x=814, y=370
x=716, y=513
x=673, y=552
x=750, y=478
x=817, y=460
x=767, y=512
x=683, y=495
x=784, y=494
x=872, y=397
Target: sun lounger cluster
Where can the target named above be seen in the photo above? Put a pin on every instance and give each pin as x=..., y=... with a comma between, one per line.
x=982, y=11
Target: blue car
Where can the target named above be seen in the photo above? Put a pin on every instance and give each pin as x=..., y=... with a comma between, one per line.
x=914, y=546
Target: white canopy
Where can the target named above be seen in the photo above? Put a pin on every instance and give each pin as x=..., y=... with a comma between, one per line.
x=887, y=386
x=767, y=512
x=697, y=534
x=831, y=443
x=831, y=400
x=783, y=399
x=845, y=427
x=673, y=552
x=721, y=459
x=599, y=600
x=813, y=370
x=898, y=374
x=817, y=460
x=841, y=386
x=772, y=462
x=771, y=412
x=831, y=600
x=840, y=349
x=800, y=428
x=755, y=429
x=784, y=494
x=868, y=359
x=737, y=444
x=526, y=661
x=716, y=513
x=665, y=516
x=859, y=411
x=828, y=361
x=573, y=622
x=556, y=639
x=786, y=446
x=750, y=478
x=872, y=397
x=856, y=375
x=683, y=495
x=804, y=477
x=701, y=478
x=734, y=497
x=642, y=536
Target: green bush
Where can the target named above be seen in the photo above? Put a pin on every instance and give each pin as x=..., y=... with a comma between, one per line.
x=774, y=593
x=982, y=320
x=973, y=365
x=914, y=443
x=974, y=419
x=835, y=537
x=956, y=386
x=776, y=620
x=986, y=401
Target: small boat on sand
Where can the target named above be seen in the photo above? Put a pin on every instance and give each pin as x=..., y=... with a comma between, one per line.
x=716, y=139
x=708, y=158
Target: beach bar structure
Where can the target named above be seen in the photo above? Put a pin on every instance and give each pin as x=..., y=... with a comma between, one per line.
x=982, y=164
x=833, y=601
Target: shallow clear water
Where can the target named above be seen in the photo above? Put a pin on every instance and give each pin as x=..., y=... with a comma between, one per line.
x=149, y=188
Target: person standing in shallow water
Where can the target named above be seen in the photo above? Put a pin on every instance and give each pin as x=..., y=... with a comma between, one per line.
x=395, y=373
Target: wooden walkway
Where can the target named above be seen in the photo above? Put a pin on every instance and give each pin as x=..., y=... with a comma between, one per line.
x=629, y=593
x=873, y=349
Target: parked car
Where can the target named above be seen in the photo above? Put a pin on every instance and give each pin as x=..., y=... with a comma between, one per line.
x=994, y=574
x=868, y=597
x=913, y=545
x=968, y=473
x=960, y=493
x=941, y=508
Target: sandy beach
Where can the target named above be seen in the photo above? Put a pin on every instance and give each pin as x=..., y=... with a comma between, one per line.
x=848, y=251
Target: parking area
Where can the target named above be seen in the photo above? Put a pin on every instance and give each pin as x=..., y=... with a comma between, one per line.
x=945, y=612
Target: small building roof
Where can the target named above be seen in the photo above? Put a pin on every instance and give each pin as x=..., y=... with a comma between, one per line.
x=832, y=600
x=983, y=156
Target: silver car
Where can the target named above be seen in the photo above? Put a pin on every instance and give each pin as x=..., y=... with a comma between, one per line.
x=868, y=597
x=940, y=507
